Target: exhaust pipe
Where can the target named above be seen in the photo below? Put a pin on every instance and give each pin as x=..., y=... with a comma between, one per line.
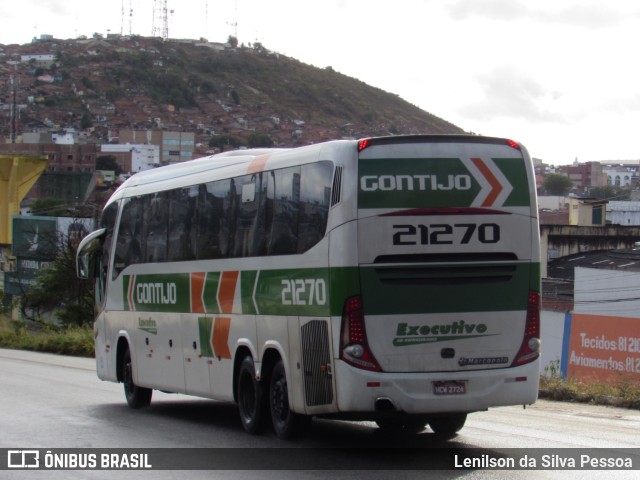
x=385, y=404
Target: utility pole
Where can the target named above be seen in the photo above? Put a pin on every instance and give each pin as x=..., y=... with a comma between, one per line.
x=13, y=109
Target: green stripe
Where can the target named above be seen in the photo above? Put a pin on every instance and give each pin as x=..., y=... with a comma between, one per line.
x=247, y=282
x=399, y=192
x=458, y=289
x=303, y=292
x=515, y=171
x=386, y=290
x=205, y=329
x=210, y=292
x=159, y=293
x=402, y=196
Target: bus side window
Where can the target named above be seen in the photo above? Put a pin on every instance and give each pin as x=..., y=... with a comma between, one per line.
x=179, y=225
x=283, y=198
x=103, y=257
x=249, y=232
x=213, y=225
x=315, y=197
x=155, y=227
x=128, y=249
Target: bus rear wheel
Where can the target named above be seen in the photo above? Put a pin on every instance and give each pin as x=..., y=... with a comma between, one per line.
x=404, y=424
x=447, y=425
x=286, y=424
x=249, y=396
x=137, y=397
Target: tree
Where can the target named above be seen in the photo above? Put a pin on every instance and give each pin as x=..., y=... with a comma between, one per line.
x=556, y=184
x=86, y=121
x=49, y=207
x=109, y=163
x=258, y=139
x=225, y=141
x=610, y=192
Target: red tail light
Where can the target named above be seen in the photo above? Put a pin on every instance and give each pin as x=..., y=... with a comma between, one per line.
x=362, y=144
x=354, y=348
x=530, y=348
x=513, y=144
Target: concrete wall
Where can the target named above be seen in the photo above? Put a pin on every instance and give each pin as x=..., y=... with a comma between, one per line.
x=551, y=333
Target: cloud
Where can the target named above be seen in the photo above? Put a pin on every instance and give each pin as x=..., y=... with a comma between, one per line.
x=509, y=93
x=579, y=14
x=494, y=9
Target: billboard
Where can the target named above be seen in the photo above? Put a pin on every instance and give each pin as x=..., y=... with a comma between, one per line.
x=36, y=241
x=601, y=349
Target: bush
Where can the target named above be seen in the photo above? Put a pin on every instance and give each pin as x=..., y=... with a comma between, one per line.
x=75, y=341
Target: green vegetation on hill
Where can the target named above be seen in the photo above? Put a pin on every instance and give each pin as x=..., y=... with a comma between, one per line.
x=143, y=82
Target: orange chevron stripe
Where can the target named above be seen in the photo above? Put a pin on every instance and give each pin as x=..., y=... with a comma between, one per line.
x=197, y=286
x=220, y=340
x=227, y=290
x=496, y=187
x=257, y=164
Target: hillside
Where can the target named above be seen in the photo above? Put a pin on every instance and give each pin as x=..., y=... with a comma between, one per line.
x=103, y=85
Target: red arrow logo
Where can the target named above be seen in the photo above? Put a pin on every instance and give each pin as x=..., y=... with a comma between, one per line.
x=496, y=186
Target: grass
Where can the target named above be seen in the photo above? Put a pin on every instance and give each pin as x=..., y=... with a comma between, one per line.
x=625, y=393
x=78, y=341
x=75, y=341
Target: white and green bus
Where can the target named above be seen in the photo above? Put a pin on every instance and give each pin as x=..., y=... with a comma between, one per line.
x=392, y=279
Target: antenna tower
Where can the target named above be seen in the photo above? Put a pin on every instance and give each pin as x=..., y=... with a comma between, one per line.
x=160, y=26
x=235, y=22
x=130, y=17
x=122, y=19
x=124, y=14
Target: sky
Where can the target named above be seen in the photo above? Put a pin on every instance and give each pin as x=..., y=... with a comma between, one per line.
x=560, y=76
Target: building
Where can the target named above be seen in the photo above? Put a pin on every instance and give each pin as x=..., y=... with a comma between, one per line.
x=174, y=147
x=585, y=175
x=623, y=213
x=587, y=212
x=133, y=158
x=620, y=176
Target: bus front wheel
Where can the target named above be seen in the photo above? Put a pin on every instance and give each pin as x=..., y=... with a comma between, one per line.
x=249, y=397
x=137, y=397
x=286, y=424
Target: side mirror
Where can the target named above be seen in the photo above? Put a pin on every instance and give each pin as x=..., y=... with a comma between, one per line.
x=84, y=252
x=82, y=266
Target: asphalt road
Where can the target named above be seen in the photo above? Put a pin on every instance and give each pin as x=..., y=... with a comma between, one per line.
x=54, y=402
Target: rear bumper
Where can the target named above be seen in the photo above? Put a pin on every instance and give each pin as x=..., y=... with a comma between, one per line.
x=413, y=393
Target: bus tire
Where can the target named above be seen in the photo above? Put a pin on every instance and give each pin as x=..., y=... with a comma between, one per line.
x=250, y=404
x=137, y=397
x=447, y=425
x=286, y=424
x=403, y=424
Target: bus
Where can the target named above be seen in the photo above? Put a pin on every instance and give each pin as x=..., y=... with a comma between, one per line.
x=394, y=280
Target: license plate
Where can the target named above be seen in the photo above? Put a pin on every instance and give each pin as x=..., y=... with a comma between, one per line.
x=449, y=387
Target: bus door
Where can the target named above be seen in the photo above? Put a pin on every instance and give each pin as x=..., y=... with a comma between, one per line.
x=154, y=302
